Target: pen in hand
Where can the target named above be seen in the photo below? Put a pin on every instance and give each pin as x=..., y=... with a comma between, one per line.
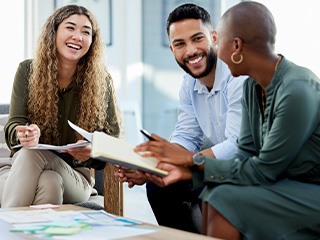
x=147, y=135
x=26, y=132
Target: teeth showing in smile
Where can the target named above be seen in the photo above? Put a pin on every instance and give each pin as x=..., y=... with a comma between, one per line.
x=195, y=60
x=77, y=47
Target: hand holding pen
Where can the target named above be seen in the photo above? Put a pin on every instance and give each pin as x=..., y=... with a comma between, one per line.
x=164, y=151
x=147, y=134
x=28, y=135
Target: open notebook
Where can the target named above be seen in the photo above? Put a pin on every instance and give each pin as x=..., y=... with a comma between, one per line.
x=118, y=151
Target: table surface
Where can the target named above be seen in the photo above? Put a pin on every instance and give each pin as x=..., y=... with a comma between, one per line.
x=163, y=233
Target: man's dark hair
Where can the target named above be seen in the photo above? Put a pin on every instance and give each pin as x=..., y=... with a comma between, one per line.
x=188, y=11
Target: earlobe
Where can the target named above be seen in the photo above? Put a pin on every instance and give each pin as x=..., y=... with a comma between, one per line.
x=215, y=42
x=237, y=43
x=170, y=46
x=214, y=37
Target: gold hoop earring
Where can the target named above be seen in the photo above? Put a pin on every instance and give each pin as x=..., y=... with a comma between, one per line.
x=236, y=62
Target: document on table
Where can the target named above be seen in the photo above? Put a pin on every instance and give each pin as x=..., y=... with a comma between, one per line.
x=35, y=216
x=80, y=225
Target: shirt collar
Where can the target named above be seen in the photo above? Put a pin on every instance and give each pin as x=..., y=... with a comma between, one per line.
x=201, y=88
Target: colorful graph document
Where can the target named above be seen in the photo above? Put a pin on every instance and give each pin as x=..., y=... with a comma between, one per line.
x=67, y=225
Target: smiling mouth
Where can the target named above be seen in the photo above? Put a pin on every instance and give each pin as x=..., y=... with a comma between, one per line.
x=195, y=60
x=73, y=46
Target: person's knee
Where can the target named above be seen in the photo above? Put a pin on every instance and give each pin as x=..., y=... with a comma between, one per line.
x=4, y=172
x=26, y=157
x=50, y=188
x=223, y=190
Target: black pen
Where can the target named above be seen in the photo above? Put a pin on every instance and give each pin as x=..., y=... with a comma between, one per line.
x=26, y=132
x=147, y=135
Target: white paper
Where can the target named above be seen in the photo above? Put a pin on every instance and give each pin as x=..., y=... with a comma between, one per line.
x=103, y=225
x=32, y=216
x=81, y=131
x=56, y=148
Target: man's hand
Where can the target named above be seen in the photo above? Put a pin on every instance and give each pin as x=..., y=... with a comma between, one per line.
x=165, y=151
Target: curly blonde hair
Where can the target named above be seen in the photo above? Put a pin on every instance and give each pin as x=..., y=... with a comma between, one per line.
x=91, y=80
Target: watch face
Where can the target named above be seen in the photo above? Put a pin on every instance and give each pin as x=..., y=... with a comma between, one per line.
x=198, y=159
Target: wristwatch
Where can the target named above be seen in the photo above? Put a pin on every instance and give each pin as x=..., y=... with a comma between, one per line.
x=198, y=159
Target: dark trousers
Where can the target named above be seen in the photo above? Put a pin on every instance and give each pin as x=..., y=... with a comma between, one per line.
x=171, y=205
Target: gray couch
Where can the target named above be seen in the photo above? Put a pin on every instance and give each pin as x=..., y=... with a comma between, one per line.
x=4, y=150
x=96, y=201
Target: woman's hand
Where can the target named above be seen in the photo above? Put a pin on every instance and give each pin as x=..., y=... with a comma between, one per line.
x=176, y=174
x=29, y=135
x=80, y=153
x=165, y=151
x=133, y=177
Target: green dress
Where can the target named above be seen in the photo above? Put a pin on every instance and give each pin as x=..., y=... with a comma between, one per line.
x=271, y=188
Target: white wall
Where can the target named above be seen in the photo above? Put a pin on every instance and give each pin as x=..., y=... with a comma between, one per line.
x=124, y=56
x=11, y=44
x=298, y=24
x=298, y=30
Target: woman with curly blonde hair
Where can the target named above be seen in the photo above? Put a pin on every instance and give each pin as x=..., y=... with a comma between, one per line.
x=66, y=80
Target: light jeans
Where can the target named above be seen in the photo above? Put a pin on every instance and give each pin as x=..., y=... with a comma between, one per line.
x=40, y=176
x=5, y=166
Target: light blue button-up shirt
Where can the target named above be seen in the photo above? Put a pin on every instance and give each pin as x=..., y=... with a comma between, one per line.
x=213, y=116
